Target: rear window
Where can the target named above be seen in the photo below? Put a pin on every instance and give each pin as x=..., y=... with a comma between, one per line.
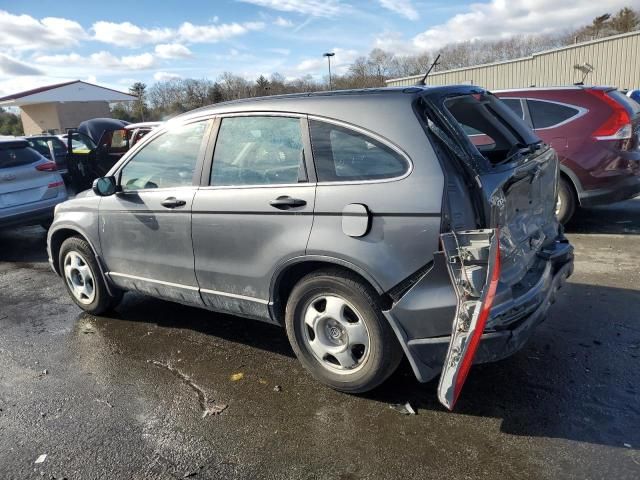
x=492, y=127
x=342, y=154
x=515, y=105
x=17, y=156
x=548, y=114
x=632, y=106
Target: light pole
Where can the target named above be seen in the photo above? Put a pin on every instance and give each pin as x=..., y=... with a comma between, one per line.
x=329, y=55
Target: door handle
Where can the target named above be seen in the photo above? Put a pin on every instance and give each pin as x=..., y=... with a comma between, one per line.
x=172, y=202
x=285, y=203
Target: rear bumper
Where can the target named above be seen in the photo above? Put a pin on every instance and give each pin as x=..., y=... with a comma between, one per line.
x=618, y=191
x=510, y=326
x=33, y=213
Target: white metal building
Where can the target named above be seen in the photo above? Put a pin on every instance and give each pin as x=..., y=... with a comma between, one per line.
x=615, y=61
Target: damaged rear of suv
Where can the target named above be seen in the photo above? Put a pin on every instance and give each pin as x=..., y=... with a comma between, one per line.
x=371, y=224
x=502, y=246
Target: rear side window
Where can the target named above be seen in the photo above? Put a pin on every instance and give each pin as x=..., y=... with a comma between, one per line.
x=342, y=154
x=548, y=114
x=15, y=157
x=258, y=151
x=515, y=105
x=41, y=145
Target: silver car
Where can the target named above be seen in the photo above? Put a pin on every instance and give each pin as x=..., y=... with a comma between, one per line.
x=30, y=185
x=372, y=225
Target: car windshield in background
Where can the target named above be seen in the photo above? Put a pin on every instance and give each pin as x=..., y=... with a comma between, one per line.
x=41, y=145
x=15, y=155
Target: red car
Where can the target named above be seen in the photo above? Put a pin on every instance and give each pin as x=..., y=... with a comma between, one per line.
x=596, y=132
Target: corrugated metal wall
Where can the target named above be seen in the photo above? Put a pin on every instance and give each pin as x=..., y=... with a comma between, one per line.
x=616, y=62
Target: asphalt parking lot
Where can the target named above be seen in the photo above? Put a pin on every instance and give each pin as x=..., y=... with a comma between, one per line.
x=127, y=395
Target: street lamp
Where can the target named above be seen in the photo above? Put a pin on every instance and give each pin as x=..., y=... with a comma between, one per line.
x=329, y=55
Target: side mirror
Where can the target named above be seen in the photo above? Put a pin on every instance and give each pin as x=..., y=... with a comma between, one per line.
x=105, y=186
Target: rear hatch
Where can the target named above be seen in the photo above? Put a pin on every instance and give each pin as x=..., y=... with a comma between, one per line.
x=25, y=176
x=511, y=177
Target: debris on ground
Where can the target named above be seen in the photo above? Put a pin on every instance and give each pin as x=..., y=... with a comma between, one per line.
x=277, y=388
x=403, y=408
x=105, y=402
x=215, y=409
x=41, y=458
x=44, y=372
x=237, y=376
x=262, y=381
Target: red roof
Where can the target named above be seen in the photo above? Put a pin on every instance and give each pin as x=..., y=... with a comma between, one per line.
x=33, y=91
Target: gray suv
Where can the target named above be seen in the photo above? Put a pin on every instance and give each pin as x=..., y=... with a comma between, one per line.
x=367, y=223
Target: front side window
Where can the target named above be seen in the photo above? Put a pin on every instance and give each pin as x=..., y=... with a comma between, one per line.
x=342, y=154
x=548, y=114
x=167, y=161
x=258, y=151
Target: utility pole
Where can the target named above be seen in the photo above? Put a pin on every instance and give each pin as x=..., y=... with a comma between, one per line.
x=329, y=55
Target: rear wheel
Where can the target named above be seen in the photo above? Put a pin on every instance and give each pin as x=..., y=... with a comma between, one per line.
x=83, y=278
x=337, y=330
x=566, y=203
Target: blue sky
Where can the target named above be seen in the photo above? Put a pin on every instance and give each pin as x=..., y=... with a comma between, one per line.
x=118, y=42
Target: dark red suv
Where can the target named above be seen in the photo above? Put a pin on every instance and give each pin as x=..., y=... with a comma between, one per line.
x=596, y=132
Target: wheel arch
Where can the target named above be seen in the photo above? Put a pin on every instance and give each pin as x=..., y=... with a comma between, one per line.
x=573, y=180
x=288, y=274
x=57, y=238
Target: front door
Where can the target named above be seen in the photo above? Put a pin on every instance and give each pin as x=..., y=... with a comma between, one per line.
x=145, y=229
x=255, y=214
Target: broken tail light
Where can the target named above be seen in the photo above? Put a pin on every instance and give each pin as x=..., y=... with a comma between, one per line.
x=467, y=252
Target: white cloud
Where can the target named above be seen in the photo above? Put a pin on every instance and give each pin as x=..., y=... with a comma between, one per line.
x=23, y=32
x=215, y=33
x=172, y=50
x=317, y=8
x=401, y=7
x=501, y=19
x=164, y=76
x=282, y=22
x=126, y=34
x=11, y=66
x=103, y=59
x=339, y=63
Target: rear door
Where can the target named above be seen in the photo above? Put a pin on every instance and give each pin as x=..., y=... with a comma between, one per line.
x=254, y=211
x=514, y=181
x=145, y=229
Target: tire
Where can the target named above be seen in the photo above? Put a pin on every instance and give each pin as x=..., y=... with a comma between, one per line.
x=83, y=278
x=375, y=356
x=567, y=201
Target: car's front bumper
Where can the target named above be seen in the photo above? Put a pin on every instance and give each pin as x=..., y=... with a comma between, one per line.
x=510, y=325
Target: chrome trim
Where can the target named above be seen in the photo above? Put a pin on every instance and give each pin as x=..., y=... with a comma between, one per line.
x=581, y=111
x=234, y=295
x=151, y=280
x=260, y=185
x=188, y=287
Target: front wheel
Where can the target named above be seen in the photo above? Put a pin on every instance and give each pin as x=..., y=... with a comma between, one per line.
x=83, y=278
x=337, y=331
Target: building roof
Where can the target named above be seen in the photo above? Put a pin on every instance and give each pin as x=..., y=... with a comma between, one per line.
x=74, y=91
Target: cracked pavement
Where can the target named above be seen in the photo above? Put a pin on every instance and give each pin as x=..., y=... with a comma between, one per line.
x=126, y=395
